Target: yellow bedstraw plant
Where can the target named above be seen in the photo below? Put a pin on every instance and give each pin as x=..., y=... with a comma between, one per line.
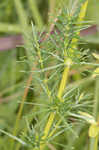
x=51, y=58
x=68, y=62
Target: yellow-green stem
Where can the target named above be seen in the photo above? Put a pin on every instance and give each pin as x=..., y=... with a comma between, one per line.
x=63, y=81
x=42, y=67
x=10, y=28
x=35, y=13
x=96, y=143
x=21, y=14
x=52, y=115
x=47, y=128
x=56, y=126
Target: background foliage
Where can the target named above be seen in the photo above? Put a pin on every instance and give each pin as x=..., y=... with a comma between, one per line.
x=13, y=81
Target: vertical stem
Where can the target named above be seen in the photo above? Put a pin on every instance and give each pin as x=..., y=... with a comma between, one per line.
x=83, y=11
x=52, y=4
x=21, y=13
x=63, y=81
x=52, y=115
x=35, y=13
x=41, y=61
x=20, y=109
x=23, y=19
x=23, y=23
x=96, y=103
x=96, y=143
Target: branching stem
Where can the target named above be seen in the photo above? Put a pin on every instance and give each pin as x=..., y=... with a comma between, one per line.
x=63, y=82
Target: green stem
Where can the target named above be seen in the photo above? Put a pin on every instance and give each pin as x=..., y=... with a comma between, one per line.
x=63, y=84
x=36, y=15
x=24, y=27
x=21, y=14
x=18, y=146
x=94, y=142
x=20, y=110
x=96, y=103
x=10, y=28
x=23, y=23
x=52, y=6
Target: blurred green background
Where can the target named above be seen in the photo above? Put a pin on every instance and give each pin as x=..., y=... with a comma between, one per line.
x=12, y=79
